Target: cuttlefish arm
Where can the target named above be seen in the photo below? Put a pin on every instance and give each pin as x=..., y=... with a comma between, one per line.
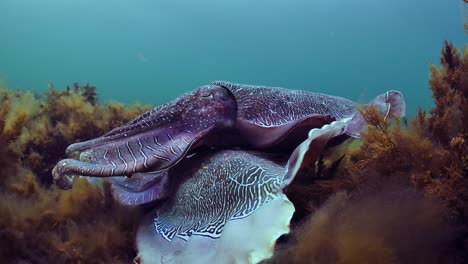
x=155, y=140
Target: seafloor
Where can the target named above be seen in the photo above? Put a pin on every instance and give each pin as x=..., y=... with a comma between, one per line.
x=399, y=195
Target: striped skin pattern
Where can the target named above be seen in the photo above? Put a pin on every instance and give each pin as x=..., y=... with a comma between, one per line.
x=214, y=187
x=155, y=140
x=222, y=114
x=229, y=185
x=160, y=137
x=273, y=106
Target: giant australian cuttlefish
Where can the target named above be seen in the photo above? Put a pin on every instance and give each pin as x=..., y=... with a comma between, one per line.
x=207, y=156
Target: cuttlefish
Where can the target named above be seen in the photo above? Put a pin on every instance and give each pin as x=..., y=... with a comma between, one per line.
x=219, y=115
x=228, y=206
x=207, y=157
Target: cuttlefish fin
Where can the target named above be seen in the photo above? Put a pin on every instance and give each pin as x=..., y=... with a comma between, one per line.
x=390, y=104
x=309, y=150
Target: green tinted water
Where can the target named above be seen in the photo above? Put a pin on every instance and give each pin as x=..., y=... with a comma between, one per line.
x=153, y=50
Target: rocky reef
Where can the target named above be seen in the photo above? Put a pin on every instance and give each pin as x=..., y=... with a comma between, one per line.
x=398, y=195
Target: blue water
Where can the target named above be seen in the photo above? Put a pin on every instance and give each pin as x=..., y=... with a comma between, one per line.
x=153, y=50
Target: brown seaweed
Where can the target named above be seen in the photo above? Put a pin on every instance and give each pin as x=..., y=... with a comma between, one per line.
x=398, y=196
x=393, y=224
x=399, y=179
x=40, y=223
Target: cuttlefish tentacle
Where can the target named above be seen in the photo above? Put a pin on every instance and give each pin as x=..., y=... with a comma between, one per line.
x=156, y=140
x=135, y=159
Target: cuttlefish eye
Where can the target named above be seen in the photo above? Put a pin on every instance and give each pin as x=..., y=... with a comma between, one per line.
x=207, y=95
x=216, y=92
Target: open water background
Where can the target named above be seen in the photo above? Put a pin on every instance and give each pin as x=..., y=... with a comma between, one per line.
x=151, y=51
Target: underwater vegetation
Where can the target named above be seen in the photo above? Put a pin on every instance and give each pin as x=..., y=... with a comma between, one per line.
x=398, y=195
x=40, y=223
